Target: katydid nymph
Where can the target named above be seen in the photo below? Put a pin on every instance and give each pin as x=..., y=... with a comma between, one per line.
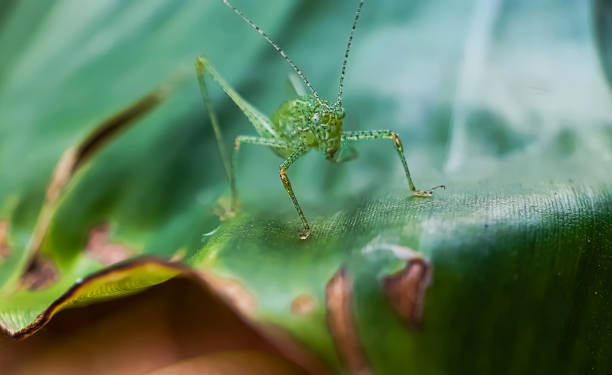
x=298, y=126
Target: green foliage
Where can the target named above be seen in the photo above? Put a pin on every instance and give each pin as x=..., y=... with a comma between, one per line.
x=602, y=12
x=521, y=242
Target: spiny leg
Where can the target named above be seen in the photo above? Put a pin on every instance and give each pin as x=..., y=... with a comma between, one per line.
x=269, y=142
x=387, y=134
x=262, y=123
x=287, y=184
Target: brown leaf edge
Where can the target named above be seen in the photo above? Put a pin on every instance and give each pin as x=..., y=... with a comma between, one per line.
x=76, y=156
x=283, y=341
x=406, y=290
x=338, y=302
x=5, y=249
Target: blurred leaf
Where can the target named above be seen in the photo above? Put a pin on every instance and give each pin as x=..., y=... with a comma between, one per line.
x=602, y=12
x=231, y=363
x=520, y=243
x=161, y=327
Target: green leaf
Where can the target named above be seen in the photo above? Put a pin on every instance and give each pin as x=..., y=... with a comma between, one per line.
x=602, y=11
x=505, y=105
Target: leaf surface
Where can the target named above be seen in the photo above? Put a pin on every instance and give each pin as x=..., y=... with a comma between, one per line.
x=506, y=106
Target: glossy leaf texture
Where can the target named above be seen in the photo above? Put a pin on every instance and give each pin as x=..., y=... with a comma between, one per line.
x=507, y=271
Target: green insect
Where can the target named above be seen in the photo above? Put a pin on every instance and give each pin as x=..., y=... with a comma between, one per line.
x=298, y=126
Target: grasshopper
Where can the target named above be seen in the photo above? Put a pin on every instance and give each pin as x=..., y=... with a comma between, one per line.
x=298, y=126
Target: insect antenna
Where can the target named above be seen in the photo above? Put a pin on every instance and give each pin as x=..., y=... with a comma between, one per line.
x=276, y=47
x=346, y=54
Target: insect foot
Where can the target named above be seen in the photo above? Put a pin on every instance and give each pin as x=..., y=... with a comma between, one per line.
x=422, y=194
x=427, y=193
x=287, y=184
x=304, y=234
x=226, y=208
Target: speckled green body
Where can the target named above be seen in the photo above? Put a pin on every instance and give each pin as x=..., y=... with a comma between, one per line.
x=305, y=123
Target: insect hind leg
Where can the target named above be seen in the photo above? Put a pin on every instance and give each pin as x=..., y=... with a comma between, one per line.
x=200, y=69
x=262, y=123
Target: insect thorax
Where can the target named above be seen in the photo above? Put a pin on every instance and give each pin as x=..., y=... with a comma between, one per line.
x=304, y=122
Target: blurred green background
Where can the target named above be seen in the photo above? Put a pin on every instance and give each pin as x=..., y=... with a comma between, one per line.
x=505, y=102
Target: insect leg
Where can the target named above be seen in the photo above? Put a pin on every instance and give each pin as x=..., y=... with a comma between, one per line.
x=287, y=184
x=387, y=134
x=261, y=122
x=346, y=153
x=270, y=142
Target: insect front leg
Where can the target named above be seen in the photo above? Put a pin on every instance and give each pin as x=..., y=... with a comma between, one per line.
x=387, y=134
x=269, y=142
x=287, y=184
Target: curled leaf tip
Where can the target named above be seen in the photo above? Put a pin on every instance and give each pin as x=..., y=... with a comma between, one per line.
x=118, y=122
x=406, y=290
